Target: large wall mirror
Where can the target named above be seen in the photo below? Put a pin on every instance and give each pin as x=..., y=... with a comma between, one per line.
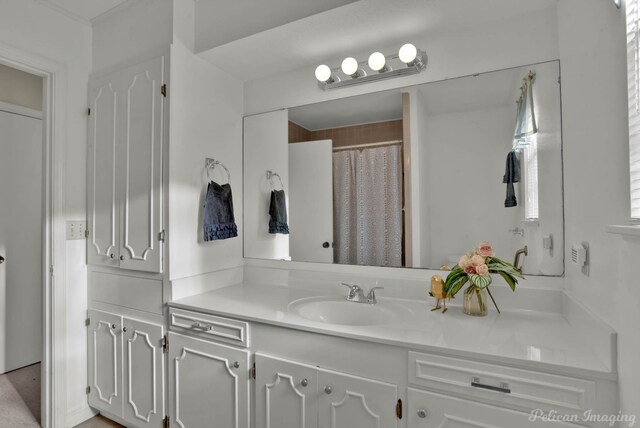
x=411, y=177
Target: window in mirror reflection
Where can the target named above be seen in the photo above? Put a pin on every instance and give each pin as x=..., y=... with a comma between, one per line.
x=530, y=160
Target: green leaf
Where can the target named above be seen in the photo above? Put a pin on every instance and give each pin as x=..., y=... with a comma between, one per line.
x=480, y=281
x=510, y=280
x=453, y=290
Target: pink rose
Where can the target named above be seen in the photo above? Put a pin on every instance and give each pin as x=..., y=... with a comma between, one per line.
x=485, y=249
x=477, y=260
x=471, y=270
x=482, y=269
x=464, y=262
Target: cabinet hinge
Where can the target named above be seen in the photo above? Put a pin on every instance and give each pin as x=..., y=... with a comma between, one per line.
x=399, y=409
x=88, y=390
x=253, y=371
x=87, y=322
x=163, y=89
x=51, y=270
x=165, y=344
x=89, y=112
x=161, y=236
x=165, y=422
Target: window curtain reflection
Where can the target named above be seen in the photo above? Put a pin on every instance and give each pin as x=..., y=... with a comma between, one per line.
x=367, y=206
x=525, y=117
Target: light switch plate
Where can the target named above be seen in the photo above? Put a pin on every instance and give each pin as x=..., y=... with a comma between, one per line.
x=76, y=229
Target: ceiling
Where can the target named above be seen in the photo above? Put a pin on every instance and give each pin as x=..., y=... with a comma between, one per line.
x=356, y=29
x=82, y=10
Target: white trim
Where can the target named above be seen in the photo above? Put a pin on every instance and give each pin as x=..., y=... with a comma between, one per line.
x=114, y=10
x=22, y=111
x=64, y=11
x=54, y=76
x=79, y=415
x=631, y=230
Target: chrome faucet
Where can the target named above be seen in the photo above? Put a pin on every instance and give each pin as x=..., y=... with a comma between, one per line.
x=356, y=294
x=520, y=252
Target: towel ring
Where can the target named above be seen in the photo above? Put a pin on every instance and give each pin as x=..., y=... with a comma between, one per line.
x=211, y=164
x=270, y=175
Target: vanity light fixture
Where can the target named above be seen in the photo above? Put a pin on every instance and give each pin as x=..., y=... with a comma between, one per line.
x=409, y=60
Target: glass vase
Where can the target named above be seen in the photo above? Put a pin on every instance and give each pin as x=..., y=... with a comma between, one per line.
x=475, y=301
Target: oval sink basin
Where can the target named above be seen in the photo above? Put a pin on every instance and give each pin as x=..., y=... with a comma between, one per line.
x=340, y=311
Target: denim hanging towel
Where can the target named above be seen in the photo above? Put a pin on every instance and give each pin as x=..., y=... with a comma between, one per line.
x=219, y=221
x=511, y=175
x=278, y=213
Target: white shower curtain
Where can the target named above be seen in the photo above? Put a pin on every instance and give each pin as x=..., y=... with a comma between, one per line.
x=367, y=206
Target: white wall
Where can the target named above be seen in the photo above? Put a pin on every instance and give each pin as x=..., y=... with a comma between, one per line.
x=594, y=107
x=30, y=27
x=206, y=122
x=265, y=148
x=451, y=54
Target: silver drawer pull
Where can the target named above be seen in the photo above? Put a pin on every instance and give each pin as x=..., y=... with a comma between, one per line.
x=327, y=390
x=422, y=413
x=504, y=386
x=304, y=382
x=236, y=364
x=207, y=327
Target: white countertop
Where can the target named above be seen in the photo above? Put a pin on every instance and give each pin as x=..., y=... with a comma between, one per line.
x=527, y=339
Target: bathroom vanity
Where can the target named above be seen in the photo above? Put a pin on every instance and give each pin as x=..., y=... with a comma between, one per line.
x=266, y=353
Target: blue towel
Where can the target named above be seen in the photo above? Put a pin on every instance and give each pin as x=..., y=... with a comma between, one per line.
x=278, y=213
x=511, y=175
x=219, y=221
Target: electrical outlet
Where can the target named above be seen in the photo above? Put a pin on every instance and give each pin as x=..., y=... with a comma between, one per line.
x=76, y=229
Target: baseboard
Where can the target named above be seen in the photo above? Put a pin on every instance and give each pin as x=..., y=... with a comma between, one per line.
x=79, y=415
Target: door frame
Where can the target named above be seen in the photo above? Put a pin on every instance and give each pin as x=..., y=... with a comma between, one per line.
x=53, y=374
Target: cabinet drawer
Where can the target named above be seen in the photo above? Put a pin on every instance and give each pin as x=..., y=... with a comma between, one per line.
x=210, y=326
x=508, y=386
x=431, y=410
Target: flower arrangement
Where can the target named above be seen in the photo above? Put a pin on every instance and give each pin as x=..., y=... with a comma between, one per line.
x=475, y=267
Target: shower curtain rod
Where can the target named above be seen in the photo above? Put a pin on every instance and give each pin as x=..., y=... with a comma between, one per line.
x=365, y=146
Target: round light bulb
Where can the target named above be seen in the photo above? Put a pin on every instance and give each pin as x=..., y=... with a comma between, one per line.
x=376, y=61
x=349, y=66
x=323, y=73
x=407, y=53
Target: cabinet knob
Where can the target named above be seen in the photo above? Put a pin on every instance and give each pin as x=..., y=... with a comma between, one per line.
x=114, y=326
x=304, y=382
x=124, y=329
x=325, y=244
x=112, y=255
x=121, y=257
x=327, y=390
x=422, y=413
x=1, y=260
x=236, y=364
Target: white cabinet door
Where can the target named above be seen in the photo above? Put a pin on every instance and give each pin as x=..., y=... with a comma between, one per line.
x=143, y=373
x=105, y=358
x=286, y=394
x=141, y=141
x=347, y=401
x=126, y=138
x=209, y=384
x=103, y=207
x=431, y=410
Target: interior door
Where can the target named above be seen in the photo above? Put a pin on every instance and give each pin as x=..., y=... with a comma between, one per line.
x=20, y=240
x=347, y=401
x=102, y=204
x=143, y=367
x=209, y=384
x=105, y=361
x=141, y=147
x=285, y=394
x=311, y=201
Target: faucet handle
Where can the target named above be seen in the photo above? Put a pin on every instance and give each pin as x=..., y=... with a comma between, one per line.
x=371, y=297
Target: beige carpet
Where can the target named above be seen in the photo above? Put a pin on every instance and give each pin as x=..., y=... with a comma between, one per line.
x=98, y=422
x=20, y=397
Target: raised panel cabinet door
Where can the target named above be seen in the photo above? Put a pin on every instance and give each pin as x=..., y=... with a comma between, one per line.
x=431, y=410
x=105, y=358
x=286, y=394
x=141, y=151
x=143, y=367
x=346, y=401
x=102, y=199
x=208, y=384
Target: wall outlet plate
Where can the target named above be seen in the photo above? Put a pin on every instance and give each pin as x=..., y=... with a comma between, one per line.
x=76, y=229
